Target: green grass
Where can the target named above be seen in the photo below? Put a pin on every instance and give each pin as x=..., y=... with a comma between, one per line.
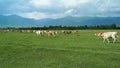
x=85, y=50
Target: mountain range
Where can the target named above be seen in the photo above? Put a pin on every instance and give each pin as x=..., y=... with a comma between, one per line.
x=18, y=21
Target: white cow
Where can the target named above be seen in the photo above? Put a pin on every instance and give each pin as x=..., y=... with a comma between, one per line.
x=108, y=35
x=39, y=32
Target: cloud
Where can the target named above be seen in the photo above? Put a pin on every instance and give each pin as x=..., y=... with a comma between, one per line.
x=33, y=15
x=39, y=9
x=73, y=3
x=42, y=3
x=68, y=12
x=40, y=15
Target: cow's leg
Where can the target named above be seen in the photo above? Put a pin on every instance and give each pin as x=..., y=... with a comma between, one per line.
x=103, y=39
x=108, y=40
x=114, y=40
x=53, y=34
x=48, y=34
x=37, y=34
x=41, y=34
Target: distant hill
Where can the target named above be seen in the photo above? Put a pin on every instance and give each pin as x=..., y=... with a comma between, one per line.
x=17, y=21
x=81, y=21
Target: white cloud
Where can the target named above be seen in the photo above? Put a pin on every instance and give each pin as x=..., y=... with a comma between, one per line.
x=73, y=3
x=39, y=9
x=57, y=3
x=39, y=3
x=33, y=15
x=6, y=14
x=39, y=15
x=69, y=11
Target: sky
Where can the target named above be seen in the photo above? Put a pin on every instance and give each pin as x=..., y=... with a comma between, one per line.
x=40, y=9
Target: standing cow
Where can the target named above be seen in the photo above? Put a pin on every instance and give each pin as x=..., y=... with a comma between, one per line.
x=107, y=36
x=39, y=32
x=51, y=33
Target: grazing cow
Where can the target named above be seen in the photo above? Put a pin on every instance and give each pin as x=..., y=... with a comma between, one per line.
x=68, y=32
x=55, y=32
x=34, y=31
x=75, y=32
x=21, y=31
x=46, y=31
x=29, y=31
x=51, y=33
x=6, y=30
x=63, y=31
x=39, y=32
x=108, y=35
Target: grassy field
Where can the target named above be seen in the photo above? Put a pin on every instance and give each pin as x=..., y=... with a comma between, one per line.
x=85, y=50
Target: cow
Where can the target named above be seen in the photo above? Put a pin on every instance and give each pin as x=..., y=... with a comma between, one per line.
x=68, y=32
x=107, y=36
x=63, y=31
x=75, y=32
x=38, y=32
x=51, y=33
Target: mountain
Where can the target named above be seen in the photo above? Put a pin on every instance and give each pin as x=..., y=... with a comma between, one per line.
x=81, y=21
x=17, y=21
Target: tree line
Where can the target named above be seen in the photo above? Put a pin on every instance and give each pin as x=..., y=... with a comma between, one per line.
x=112, y=26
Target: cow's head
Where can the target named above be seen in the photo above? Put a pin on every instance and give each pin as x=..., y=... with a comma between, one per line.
x=99, y=34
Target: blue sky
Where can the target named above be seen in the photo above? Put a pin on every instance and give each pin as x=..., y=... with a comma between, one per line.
x=39, y=9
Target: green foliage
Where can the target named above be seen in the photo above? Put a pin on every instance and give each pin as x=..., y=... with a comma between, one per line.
x=112, y=26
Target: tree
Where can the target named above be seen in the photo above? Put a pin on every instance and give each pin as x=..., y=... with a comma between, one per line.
x=113, y=26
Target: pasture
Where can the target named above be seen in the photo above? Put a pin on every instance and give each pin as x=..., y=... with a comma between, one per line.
x=82, y=50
